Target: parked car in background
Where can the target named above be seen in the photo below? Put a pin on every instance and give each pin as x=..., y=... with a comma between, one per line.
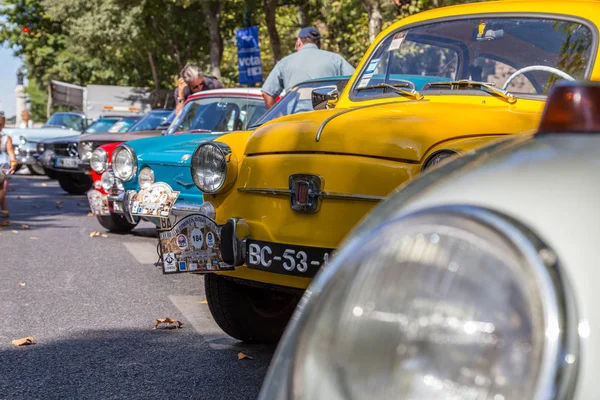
x=477, y=280
x=103, y=179
x=432, y=86
x=60, y=124
x=204, y=117
x=68, y=159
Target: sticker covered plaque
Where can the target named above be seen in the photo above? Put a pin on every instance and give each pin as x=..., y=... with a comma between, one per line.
x=98, y=203
x=192, y=245
x=154, y=201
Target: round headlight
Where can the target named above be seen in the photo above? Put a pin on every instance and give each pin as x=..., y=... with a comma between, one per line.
x=124, y=163
x=214, y=167
x=99, y=160
x=85, y=150
x=146, y=177
x=108, y=180
x=23, y=140
x=442, y=304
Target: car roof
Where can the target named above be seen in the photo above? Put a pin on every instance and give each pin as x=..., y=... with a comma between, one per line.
x=250, y=92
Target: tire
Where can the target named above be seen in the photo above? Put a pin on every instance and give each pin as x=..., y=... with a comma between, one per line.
x=74, y=183
x=50, y=173
x=116, y=223
x=35, y=169
x=247, y=313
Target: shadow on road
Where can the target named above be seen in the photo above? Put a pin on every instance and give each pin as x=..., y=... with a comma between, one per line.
x=133, y=364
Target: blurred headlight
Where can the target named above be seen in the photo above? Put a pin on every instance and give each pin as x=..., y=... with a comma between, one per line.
x=23, y=140
x=108, y=180
x=214, y=167
x=99, y=160
x=85, y=150
x=40, y=148
x=146, y=177
x=124, y=163
x=443, y=304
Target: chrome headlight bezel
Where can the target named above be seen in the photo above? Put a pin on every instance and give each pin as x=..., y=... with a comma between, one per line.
x=99, y=160
x=228, y=165
x=558, y=369
x=85, y=150
x=116, y=166
x=145, y=177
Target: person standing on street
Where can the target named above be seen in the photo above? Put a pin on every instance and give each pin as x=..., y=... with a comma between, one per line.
x=26, y=121
x=309, y=62
x=7, y=154
x=191, y=81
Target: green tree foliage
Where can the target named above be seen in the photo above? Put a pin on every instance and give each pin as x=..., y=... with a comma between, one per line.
x=146, y=42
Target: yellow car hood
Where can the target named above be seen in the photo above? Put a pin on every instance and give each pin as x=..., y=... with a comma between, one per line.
x=399, y=131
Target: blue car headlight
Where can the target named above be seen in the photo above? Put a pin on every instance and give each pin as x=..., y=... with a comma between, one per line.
x=441, y=304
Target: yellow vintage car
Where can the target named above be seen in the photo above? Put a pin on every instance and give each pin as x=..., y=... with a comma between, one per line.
x=431, y=86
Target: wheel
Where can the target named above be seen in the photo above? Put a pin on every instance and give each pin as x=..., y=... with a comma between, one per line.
x=116, y=223
x=50, y=173
x=74, y=183
x=35, y=169
x=247, y=313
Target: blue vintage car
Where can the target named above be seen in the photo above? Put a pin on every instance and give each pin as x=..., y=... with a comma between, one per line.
x=153, y=179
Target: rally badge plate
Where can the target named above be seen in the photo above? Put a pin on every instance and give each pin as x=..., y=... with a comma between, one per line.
x=154, y=201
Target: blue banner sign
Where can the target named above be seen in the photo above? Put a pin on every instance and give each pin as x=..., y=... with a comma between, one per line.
x=249, y=64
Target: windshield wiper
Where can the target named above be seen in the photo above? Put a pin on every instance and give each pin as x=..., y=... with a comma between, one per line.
x=488, y=87
x=396, y=87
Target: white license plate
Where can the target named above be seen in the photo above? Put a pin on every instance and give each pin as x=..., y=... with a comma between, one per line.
x=66, y=162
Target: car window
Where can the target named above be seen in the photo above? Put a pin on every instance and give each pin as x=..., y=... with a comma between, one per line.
x=299, y=99
x=102, y=125
x=488, y=50
x=150, y=121
x=65, y=120
x=122, y=125
x=217, y=114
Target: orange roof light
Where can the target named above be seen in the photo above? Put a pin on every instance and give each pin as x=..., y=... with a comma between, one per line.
x=572, y=107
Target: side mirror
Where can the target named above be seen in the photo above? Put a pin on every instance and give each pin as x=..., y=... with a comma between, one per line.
x=324, y=97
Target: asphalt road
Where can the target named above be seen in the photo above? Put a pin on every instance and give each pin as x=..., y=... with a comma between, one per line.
x=91, y=302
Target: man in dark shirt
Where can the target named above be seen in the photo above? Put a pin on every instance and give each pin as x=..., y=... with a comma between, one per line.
x=192, y=81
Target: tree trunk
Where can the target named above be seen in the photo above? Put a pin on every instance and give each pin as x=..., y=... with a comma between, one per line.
x=375, y=18
x=303, y=16
x=151, y=60
x=212, y=12
x=270, y=7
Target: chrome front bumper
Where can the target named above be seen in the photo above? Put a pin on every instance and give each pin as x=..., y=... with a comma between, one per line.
x=118, y=203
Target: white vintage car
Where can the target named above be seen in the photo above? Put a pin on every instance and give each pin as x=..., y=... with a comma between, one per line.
x=60, y=124
x=478, y=280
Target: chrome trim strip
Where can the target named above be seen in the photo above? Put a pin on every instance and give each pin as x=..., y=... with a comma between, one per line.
x=186, y=208
x=329, y=195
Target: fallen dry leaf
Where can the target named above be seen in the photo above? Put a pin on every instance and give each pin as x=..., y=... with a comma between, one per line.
x=104, y=235
x=33, y=237
x=204, y=302
x=90, y=214
x=5, y=223
x=25, y=226
x=44, y=184
x=242, y=356
x=13, y=231
x=94, y=234
x=24, y=341
x=21, y=283
x=58, y=205
x=167, y=323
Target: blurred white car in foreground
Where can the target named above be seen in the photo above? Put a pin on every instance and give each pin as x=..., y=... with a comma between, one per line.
x=478, y=280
